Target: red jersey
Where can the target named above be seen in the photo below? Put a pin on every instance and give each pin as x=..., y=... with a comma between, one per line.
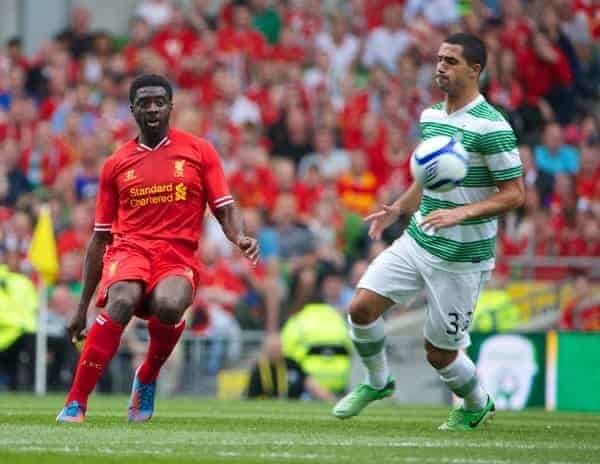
x=161, y=193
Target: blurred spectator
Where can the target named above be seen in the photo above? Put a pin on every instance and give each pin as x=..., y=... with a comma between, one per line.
x=77, y=37
x=213, y=310
x=336, y=292
x=317, y=338
x=140, y=35
x=358, y=185
x=330, y=161
x=239, y=39
x=582, y=312
x=200, y=17
x=386, y=44
x=290, y=136
x=495, y=310
x=18, y=321
x=175, y=40
x=75, y=237
x=266, y=19
x=436, y=12
x=17, y=238
x=62, y=355
x=14, y=185
x=553, y=156
x=253, y=183
x=340, y=45
x=156, y=12
x=46, y=158
x=276, y=376
x=15, y=53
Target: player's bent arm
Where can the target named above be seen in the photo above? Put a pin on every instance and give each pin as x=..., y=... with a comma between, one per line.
x=511, y=195
x=233, y=227
x=92, y=267
x=231, y=222
x=409, y=201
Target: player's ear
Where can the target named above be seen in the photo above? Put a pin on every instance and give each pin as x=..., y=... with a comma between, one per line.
x=476, y=69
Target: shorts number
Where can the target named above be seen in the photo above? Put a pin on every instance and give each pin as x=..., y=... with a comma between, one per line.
x=453, y=324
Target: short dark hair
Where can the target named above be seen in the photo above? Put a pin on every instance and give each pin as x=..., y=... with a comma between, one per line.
x=473, y=48
x=14, y=41
x=149, y=80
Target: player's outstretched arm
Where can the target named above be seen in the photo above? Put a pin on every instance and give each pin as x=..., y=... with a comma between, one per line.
x=231, y=222
x=92, y=272
x=385, y=217
x=510, y=195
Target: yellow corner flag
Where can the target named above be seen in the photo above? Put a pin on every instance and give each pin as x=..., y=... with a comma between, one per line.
x=42, y=251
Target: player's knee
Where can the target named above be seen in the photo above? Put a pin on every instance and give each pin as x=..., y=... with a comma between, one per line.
x=437, y=357
x=170, y=308
x=123, y=298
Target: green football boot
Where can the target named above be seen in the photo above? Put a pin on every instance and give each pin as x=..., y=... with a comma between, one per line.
x=359, y=398
x=461, y=419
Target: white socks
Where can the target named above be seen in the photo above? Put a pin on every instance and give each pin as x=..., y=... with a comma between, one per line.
x=369, y=341
x=461, y=378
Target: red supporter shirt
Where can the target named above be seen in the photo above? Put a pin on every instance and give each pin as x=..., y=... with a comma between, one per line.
x=161, y=193
x=231, y=40
x=254, y=187
x=174, y=44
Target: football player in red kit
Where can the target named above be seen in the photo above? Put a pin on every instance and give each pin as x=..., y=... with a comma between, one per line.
x=152, y=198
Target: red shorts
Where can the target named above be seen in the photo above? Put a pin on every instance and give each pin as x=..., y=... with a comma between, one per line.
x=148, y=261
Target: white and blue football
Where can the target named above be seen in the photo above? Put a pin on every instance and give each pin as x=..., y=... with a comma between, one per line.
x=439, y=163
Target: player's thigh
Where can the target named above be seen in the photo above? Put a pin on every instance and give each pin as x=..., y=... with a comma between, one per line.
x=391, y=278
x=451, y=300
x=125, y=275
x=174, y=278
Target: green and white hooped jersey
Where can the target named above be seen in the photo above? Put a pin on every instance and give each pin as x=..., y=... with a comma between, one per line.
x=493, y=156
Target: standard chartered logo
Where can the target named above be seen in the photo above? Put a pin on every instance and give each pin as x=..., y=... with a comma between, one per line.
x=157, y=194
x=180, y=192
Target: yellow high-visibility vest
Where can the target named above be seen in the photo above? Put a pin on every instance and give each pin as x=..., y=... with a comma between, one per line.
x=317, y=338
x=18, y=307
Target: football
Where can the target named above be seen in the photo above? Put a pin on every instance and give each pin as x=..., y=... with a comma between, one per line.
x=439, y=163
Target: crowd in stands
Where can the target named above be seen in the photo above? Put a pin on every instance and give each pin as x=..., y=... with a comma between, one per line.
x=314, y=108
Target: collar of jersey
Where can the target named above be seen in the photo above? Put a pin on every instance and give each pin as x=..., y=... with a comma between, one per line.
x=165, y=141
x=467, y=107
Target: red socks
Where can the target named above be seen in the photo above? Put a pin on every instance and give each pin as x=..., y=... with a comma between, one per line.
x=163, y=338
x=100, y=346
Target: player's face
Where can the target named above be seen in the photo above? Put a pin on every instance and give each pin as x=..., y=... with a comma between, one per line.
x=452, y=70
x=152, y=109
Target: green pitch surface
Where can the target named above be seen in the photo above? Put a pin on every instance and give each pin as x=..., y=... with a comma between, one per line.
x=186, y=430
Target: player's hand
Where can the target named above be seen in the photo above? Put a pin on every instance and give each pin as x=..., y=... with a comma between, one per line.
x=381, y=220
x=444, y=218
x=249, y=247
x=77, y=327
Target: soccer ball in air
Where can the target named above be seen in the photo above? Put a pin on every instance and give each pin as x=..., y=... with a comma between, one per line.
x=439, y=163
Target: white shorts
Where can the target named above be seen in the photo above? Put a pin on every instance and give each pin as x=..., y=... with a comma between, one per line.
x=401, y=271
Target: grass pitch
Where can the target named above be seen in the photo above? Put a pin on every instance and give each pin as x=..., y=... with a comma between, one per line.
x=186, y=430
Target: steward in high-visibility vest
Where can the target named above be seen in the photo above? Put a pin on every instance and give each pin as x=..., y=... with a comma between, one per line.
x=18, y=307
x=317, y=338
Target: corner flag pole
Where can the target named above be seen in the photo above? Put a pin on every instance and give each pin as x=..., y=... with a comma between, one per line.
x=43, y=257
x=41, y=342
